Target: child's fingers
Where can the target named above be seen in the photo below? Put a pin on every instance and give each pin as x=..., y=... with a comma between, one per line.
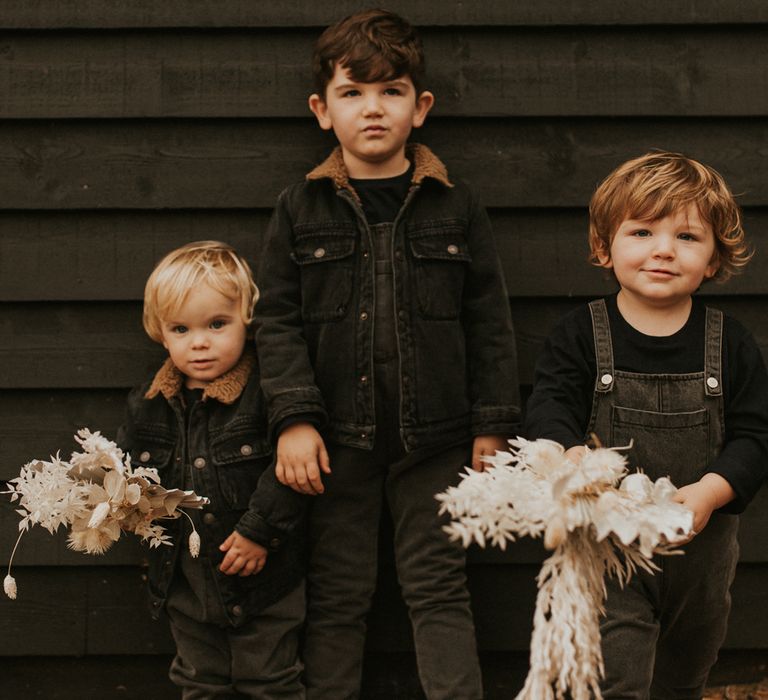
x=226, y=544
x=325, y=461
x=280, y=473
x=231, y=564
x=314, y=481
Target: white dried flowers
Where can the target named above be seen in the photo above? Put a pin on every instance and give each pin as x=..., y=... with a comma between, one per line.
x=98, y=495
x=595, y=522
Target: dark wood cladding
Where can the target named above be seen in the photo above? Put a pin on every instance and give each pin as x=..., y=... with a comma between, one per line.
x=479, y=72
x=230, y=164
x=111, y=14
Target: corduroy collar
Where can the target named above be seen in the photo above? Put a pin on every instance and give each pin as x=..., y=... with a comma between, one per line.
x=226, y=388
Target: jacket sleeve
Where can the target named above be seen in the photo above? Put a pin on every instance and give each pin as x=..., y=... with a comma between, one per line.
x=490, y=339
x=287, y=377
x=274, y=511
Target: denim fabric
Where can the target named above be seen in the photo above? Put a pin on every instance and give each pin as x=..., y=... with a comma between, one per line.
x=344, y=525
x=224, y=453
x=662, y=632
x=457, y=371
x=258, y=660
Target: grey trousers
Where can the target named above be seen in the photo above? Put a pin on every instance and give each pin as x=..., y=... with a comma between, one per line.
x=258, y=660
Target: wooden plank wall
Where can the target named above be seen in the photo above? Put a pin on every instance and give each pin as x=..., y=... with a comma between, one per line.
x=130, y=128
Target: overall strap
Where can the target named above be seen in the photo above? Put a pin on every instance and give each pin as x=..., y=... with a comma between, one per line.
x=713, y=353
x=601, y=330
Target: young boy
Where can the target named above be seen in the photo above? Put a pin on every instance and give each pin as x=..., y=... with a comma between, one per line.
x=236, y=610
x=387, y=354
x=654, y=366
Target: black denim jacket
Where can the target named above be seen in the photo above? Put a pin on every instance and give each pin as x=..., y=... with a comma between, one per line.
x=223, y=454
x=458, y=369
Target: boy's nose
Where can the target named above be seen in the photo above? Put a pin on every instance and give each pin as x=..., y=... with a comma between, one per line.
x=200, y=340
x=372, y=105
x=663, y=245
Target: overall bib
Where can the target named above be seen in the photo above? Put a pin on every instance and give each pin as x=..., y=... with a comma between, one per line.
x=662, y=632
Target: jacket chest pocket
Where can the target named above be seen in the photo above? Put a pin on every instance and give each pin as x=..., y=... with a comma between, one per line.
x=154, y=449
x=239, y=456
x=441, y=258
x=664, y=444
x=327, y=264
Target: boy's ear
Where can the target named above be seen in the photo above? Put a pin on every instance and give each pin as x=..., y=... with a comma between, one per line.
x=424, y=102
x=604, y=258
x=320, y=110
x=712, y=268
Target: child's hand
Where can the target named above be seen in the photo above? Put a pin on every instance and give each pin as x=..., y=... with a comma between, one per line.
x=703, y=497
x=486, y=445
x=244, y=556
x=301, y=456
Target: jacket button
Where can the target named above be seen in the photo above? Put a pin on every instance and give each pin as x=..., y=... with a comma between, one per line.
x=209, y=518
x=237, y=610
x=712, y=382
x=319, y=253
x=364, y=436
x=365, y=255
x=144, y=456
x=274, y=542
x=363, y=315
x=401, y=314
x=199, y=463
x=246, y=450
x=398, y=254
x=453, y=249
x=411, y=440
x=606, y=379
x=364, y=379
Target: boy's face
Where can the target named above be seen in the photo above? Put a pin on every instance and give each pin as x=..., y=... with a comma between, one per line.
x=205, y=337
x=372, y=121
x=662, y=262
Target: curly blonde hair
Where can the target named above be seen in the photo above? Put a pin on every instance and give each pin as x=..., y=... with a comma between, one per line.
x=658, y=184
x=201, y=262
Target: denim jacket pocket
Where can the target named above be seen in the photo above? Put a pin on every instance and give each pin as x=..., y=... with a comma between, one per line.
x=325, y=256
x=239, y=452
x=152, y=447
x=441, y=256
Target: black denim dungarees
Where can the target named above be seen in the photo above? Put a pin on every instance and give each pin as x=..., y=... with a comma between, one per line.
x=661, y=634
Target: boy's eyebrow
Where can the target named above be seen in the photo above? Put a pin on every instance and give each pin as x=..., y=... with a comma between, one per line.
x=356, y=83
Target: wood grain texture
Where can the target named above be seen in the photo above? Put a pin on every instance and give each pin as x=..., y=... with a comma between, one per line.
x=111, y=14
x=103, y=346
x=551, y=163
x=107, y=256
x=505, y=72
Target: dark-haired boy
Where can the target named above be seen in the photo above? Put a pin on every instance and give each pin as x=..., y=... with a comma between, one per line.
x=384, y=333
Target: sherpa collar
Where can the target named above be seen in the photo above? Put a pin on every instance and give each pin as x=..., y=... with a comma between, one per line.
x=425, y=164
x=226, y=388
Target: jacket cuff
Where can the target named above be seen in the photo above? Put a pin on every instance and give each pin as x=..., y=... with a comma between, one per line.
x=257, y=529
x=496, y=420
x=306, y=402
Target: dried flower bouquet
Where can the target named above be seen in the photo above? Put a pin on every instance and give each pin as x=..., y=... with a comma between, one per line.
x=596, y=518
x=97, y=495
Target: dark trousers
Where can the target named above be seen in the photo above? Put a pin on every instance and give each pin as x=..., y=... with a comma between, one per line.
x=215, y=660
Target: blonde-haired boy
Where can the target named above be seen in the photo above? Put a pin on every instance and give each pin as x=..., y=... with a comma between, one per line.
x=683, y=383
x=235, y=611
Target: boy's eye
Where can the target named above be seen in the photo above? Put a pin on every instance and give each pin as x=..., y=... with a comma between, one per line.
x=179, y=329
x=687, y=237
x=350, y=93
x=218, y=324
x=393, y=91
x=642, y=233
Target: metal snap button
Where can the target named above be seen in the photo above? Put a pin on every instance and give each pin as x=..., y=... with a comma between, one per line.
x=606, y=379
x=363, y=315
x=274, y=542
x=199, y=463
x=237, y=610
x=144, y=456
x=712, y=382
x=364, y=379
x=453, y=249
x=246, y=450
x=209, y=518
x=319, y=253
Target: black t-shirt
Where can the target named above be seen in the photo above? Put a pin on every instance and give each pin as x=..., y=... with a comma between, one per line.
x=383, y=198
